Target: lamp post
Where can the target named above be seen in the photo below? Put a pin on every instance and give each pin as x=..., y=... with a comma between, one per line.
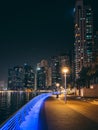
x=65, y=70
x=57, y=85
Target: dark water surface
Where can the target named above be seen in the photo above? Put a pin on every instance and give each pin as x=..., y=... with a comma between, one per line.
x=10, y=102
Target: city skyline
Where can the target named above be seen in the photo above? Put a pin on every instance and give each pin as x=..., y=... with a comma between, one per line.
x=34, y=31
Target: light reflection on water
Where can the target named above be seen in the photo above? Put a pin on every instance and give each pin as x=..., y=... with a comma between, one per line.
x=10, y=102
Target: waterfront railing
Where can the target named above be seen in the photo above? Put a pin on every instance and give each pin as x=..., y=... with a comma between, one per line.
x=14, y=122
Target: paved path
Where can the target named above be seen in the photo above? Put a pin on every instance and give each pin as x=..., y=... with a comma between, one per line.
x=73, y=115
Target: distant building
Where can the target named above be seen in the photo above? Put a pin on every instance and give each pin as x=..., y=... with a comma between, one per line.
x=72, y=68
x=89, y=36
x=49, y=78
x=84, y=41
x=41, y=78
x=43, y=63
x=29, y=77
x=57, y=62
x=10, y=78
x=64, y=60
x=21, y=77
x=96, y=47
x=15, y=78
x=2, y=85
x=42, y=74
x=55, y=68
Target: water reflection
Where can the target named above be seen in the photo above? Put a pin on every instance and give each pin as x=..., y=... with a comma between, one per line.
x=10, y=102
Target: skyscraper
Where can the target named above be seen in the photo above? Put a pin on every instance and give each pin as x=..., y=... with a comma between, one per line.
x=55, y=67
x=88, y=35
x=41, y=78
x=57, y=63
x=29, y=76
x=21, y=77
x=15, y=78
x=83, y=36
x=42, y=75
x=96, y=47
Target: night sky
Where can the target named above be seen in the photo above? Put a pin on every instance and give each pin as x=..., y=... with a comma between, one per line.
x=33, y=30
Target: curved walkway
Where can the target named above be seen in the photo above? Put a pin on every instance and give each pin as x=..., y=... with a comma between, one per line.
x=53, y=113
x=73, y=115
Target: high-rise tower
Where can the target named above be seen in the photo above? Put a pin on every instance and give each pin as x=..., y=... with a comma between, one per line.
x=88, y=35
x=83, y=36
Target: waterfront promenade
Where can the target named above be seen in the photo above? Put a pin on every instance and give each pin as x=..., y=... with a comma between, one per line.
x=47, y=112
x=75, y=114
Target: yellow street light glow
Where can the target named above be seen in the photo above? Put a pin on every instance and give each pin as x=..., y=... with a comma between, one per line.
x=57, y=84
x=65, y=70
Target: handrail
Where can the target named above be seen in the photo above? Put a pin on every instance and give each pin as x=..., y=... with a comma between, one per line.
x=16, y=120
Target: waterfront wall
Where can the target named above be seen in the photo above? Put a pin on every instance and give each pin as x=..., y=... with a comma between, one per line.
x=88, y=92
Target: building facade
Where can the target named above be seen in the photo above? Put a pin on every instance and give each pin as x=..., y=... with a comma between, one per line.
x=96, y=47
x=42, y=78
x=57, y=63
x=84, y=41
x=3, y=85
x=21, y=77
x=15, y=78
x=29, y=77
x=55, y=68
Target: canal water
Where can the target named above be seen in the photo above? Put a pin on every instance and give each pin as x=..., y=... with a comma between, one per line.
x=10, y=102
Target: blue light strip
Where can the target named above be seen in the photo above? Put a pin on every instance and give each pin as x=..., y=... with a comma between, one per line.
x=31, y=121
x=27, y=117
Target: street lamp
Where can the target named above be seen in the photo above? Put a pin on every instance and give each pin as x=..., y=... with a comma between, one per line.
x=65, y=70
x=57, y=85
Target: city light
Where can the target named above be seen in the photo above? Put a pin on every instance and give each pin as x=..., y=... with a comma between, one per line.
x=65, y=70
x=57, y=84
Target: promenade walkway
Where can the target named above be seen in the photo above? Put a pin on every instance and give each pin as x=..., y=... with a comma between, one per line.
x=55, y=114
x=47, y=112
